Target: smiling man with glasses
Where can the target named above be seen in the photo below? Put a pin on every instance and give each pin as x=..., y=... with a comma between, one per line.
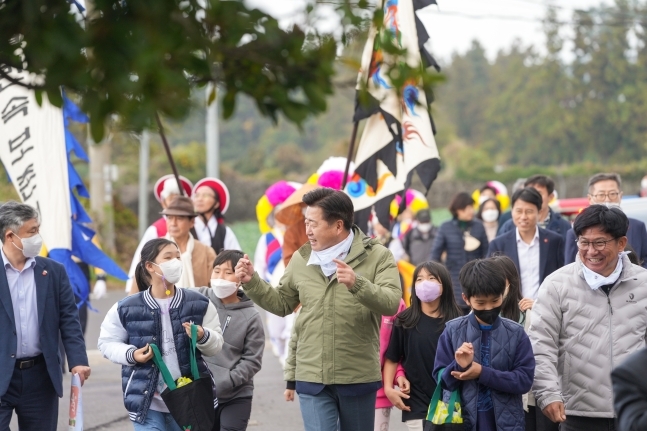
x=588, y=318
x=606, y=189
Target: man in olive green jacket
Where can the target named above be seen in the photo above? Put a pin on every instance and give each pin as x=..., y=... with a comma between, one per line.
x=345, y=281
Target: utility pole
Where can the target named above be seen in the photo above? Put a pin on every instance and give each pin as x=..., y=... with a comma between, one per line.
x=212, y=135
x=101, y=176
x=144, y=155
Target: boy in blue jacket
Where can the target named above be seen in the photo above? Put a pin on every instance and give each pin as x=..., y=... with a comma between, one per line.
x=489, y=358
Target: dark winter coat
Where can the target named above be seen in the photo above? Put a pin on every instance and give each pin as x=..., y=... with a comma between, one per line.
x=449, y=239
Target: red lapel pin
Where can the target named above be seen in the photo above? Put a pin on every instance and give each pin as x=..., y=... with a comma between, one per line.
x=545, y=239
x=44, y=272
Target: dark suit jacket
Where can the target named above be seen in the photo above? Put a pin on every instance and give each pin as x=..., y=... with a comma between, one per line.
x=630, y=393
x=636, y=237
x=57, y=312
x=551, y=250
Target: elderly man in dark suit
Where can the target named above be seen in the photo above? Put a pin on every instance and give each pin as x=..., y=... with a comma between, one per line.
x=606, y=189
x=37, y=304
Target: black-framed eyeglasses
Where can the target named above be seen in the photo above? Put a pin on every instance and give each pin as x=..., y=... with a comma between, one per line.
x=598, y=245
x=611, y=195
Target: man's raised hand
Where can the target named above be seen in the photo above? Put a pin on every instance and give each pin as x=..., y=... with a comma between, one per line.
x=244, y=270
x=345, y=273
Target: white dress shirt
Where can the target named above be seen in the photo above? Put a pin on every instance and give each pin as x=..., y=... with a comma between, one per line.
x=529, y=265
x=205, y=232
x=22, y=288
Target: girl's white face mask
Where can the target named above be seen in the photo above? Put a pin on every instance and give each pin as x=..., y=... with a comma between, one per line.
x=223, y=288
x=171, y=270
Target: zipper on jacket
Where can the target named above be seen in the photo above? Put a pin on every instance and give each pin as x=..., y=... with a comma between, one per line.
x=610, y=327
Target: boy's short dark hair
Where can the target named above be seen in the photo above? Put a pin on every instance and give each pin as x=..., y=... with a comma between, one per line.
x=541, y=181
x=529, y=195
x=231, y=256
x=610, y=220
x=482, y=277
x=335, y=204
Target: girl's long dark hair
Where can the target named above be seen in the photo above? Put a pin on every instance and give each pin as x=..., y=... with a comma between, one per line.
x=510, y=307
x=448, y=308
x=149, y=252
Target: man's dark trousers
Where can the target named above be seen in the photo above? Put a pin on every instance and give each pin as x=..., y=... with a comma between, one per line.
x=581, y=423
x=32, y=395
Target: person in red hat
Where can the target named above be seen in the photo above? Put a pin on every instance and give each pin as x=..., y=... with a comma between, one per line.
x=165, y=190
x=211, y=200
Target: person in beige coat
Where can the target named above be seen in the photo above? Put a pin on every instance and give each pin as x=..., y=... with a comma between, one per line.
x=197, y=258
x=588, y=318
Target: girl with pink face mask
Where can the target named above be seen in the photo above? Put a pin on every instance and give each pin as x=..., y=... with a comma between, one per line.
x=414, y=340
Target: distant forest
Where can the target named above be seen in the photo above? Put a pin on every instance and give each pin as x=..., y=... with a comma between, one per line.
x=527, y=109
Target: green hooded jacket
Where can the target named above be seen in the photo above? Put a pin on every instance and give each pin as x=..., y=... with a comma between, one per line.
x=337, y=328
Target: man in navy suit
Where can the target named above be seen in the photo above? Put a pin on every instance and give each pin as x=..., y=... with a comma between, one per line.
x=536, y=252
x=605, y=189
x=37, y=304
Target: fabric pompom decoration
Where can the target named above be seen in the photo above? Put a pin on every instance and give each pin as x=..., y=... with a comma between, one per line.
x=275, y=195
x=416, y=201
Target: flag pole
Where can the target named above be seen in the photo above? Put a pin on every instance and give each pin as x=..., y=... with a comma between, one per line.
x=353, y=136
x=168, y=153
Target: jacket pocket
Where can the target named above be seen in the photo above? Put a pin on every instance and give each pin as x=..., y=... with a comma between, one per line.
x=130, y=379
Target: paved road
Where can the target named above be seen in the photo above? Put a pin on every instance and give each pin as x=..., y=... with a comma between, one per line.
x=103, y=403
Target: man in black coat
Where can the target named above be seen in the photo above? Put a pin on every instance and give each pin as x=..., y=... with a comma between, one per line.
x=630, y=393
x=605, y=189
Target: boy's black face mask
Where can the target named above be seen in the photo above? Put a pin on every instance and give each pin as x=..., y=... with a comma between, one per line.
x=488, y=316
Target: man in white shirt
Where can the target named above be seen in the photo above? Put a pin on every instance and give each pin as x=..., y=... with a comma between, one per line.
x=211, y=200
x=536, y=252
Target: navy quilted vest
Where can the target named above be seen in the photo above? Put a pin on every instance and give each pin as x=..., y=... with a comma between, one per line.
x=140, y=316
x=508, y=408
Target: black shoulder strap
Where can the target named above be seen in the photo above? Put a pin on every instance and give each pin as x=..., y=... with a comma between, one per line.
x=218, y=239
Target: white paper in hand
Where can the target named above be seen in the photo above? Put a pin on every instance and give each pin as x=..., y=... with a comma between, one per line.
x=76, y=405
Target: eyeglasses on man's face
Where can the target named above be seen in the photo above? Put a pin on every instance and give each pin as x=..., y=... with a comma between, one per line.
x=598, y=244
x=601, y=196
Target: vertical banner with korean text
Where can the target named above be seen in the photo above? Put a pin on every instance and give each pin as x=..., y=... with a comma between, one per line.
x=32, y=150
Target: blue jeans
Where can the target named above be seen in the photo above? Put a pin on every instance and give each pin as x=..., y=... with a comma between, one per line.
x=329, y=411
x=157, y=421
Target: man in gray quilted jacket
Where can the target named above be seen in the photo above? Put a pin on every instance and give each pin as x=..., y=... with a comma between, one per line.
x=589, y=317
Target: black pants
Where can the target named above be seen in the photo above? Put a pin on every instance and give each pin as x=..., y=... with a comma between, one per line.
x=32, y=395
x=233, y=415
x=580, y=423
x=537, y=421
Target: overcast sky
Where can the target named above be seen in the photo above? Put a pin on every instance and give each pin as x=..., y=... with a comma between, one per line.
x=454, y=24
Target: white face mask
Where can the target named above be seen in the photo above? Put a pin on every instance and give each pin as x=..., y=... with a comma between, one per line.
x=223, y=288
x=424, y=227
x=171, y=270
x=490, y=215
x=30, y=246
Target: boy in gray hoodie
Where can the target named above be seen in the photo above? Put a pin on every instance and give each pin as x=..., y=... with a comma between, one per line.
x=242, y=352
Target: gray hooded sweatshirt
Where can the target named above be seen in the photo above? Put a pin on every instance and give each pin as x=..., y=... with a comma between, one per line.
x=234, y=367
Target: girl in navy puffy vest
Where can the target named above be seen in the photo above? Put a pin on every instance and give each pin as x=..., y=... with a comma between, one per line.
x=161, y=314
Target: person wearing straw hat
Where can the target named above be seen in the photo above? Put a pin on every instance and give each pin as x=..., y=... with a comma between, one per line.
x=211, y=201
x=165, y=191
x=197, y=258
